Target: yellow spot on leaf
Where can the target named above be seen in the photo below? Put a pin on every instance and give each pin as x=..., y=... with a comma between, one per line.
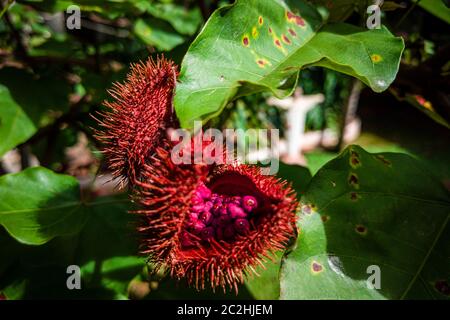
x=277, y=42
x=428, y=105
x=376, y=58
x=255, y=33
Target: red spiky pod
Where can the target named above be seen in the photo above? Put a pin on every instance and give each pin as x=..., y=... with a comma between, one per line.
x=212, y=223
x=136, y=121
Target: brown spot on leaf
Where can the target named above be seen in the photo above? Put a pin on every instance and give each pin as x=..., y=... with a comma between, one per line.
x=291, y=17
x=353, y=180
x=354, y=196
x=292, y=32
x=299, y=21
x=316, y=267
x=277, y=43
x=383, y=160
x=245, y=41
x=285, y=39
x=361, y=229
x=354, y=159
x=260, y=20
x=261, y=63
x=325, y=218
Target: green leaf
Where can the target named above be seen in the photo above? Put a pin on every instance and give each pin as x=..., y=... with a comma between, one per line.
x=37, y=205
x=437, y=8
x=252, y=46
x=299, y=176
x=105, y=249
x=426, y=108
x=266, y=285
x=182, y=20
x=157, y=33
x=38, y=95
x=15, y=126
x=364, y=209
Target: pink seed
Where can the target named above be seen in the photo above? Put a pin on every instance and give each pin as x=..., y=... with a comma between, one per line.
x=198, y=208
x=198, y=226
x=193, y=216
x=249, y=203
x=208, y=205
x=206, y=217
x=196, y=199
x=204, y=192
x=242, y=226
x=236, y=211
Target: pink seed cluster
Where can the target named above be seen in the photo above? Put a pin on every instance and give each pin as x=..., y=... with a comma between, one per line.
x=215, y=216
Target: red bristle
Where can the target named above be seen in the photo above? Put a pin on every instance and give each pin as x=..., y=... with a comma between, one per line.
x=137, y=118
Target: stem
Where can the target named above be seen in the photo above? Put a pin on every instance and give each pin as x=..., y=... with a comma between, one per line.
x=349, y=111
x=8, y=4
x=406, y=14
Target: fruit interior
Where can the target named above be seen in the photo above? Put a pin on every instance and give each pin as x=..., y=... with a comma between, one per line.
x=229, y=206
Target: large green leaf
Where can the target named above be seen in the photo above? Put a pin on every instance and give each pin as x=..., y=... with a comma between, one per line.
x=105, y=250
x=365, y=209
x=37, y=205
x=266, y=285
x=15, y=126
x=254, y=45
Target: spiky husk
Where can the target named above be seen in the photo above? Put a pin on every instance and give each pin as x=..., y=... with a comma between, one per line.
x=164, y=194
x=136, y=121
